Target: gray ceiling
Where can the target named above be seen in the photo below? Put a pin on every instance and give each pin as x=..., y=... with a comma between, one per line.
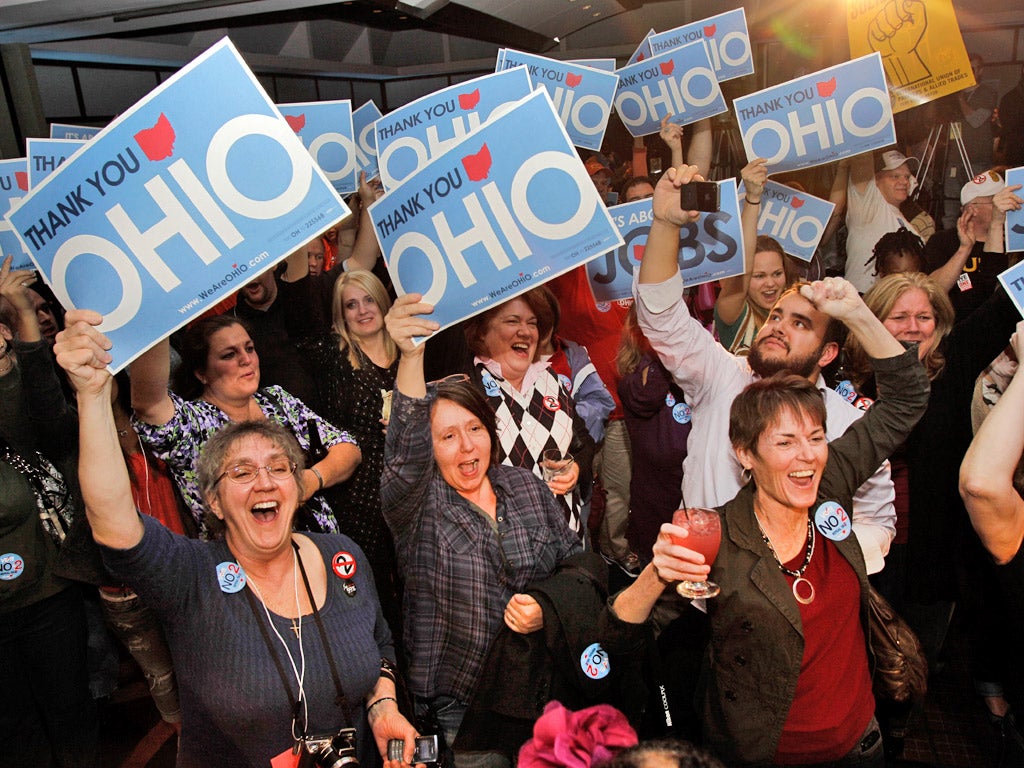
x=387, y=38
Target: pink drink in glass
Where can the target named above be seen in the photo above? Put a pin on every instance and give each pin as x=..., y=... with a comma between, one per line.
x=704, y=535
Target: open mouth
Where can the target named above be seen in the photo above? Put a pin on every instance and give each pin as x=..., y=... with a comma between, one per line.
x=803, y=478
x=265, y=511
x=469, y=468
x=521, y=348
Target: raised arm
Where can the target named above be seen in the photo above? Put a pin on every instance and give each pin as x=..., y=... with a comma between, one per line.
x=82, y=352
x=13, y=289
x=838, y=298
x=700, y=150
x=986, y=475
x=366, y=249
x=672, y=135
x=1004, y=200
x=661, y=256
x=837, y=196
x=733, y=295
x=947, y=274
x=862, y=171
x=151, y=374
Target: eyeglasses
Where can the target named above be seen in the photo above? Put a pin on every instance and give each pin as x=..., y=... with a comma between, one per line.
x=246, y=474
x=455, y=378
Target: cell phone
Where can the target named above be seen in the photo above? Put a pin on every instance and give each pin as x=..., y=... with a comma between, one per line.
x=699, y=196
x=426, y=749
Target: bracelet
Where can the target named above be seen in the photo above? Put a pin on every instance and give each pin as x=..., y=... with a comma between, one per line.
x=319, y=478
x=380, y=700
x=751, y=202
x=657, y=575
x=387, y=669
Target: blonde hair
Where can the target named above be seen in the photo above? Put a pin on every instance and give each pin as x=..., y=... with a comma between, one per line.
x=632, y=346
x=880, y=300
x=360, y=278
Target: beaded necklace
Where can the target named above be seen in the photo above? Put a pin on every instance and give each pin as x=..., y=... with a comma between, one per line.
x=798, y=574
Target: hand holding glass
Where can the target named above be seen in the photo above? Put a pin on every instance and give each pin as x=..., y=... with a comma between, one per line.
x=555, y=463
x=704, y=535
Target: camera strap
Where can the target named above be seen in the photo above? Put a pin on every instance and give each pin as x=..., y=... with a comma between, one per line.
x=295, y=702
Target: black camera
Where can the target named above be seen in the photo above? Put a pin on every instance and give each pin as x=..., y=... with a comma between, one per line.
x=330, y=751
x=426, y=749
x=699, y=196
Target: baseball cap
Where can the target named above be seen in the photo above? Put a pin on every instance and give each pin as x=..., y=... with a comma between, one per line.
x=891, y=159
x=595, y=165
x=982, y=185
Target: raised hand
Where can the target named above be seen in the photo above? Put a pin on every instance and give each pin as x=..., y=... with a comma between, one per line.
x=404, y=323
x=81, y=350
x=834, y=296
x=755, y=176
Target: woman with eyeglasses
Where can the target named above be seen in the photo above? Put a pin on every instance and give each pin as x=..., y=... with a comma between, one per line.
x=470, y=532
x=278, y=640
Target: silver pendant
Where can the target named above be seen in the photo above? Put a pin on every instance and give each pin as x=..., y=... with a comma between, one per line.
x=803, y=600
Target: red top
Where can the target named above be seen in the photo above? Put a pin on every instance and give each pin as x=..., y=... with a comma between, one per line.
x=833, y=703
x=153, y=491
x=598, y=327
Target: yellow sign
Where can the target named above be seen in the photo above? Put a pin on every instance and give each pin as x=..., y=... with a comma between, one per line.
x=922, y=50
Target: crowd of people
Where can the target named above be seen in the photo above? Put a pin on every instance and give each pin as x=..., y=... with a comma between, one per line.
x=320, y=523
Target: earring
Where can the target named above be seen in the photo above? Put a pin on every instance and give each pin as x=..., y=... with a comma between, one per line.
x=746, y=475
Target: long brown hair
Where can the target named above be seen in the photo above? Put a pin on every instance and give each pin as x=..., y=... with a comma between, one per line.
x=360, y=278
x=632, y=346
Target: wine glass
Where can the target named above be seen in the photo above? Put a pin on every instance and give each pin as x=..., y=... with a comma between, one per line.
x=704, y=534
x=554, y=463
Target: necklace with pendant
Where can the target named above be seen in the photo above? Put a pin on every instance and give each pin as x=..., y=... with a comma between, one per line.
x=798, y=574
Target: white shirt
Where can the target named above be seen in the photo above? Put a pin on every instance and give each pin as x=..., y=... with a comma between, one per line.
x=711, y=378
x=868, y=217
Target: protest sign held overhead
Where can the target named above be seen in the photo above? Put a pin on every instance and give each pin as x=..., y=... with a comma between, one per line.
x=710, y=248
x=828, y=115
x=679, y=83
x=494, y=216
x=77, y=132
x=409, y=137
x=582, y=95
x=13, y=187
x=170, y=208
x=920, y=44
x=795, y=219
x=726, y=37
x=47, y=155
x=363, y=122
x=643, y=51
x=325, y=130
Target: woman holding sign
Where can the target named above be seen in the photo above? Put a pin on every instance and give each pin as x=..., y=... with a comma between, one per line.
x=745, y=301
x=279, y=643
x=471, y=533
x=219, y=383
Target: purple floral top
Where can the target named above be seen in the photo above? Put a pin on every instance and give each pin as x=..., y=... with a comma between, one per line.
x=194, y=422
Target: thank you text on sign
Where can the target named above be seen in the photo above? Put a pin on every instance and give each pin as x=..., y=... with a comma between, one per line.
x=409, y=137
x=680, y=83
x=325, y=130
x=13, y=187
x=494, y=216
x=710, y=248
x=835, y=113
x=47, y=155
x=582, y=95
x=726, y=37
x=171, y=207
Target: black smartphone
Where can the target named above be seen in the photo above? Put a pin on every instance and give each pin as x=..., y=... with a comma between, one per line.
x=699, y=196
x=426, y=749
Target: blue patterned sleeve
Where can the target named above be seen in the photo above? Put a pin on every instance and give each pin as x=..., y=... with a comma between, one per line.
x=178, y=441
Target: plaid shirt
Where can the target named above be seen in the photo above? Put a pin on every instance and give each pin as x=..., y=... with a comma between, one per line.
x=461, y=568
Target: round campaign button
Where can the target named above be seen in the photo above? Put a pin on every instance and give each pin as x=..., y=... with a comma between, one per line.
x=832, y=521
x=594, y=662
x=344, y=565
x=491, y=387
x=670, y=400
x=564, y=381
x=551, y=403
x=230, y=576
x=12, y=565
x=846, y=390
x=681, y=413
x=604, y=306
